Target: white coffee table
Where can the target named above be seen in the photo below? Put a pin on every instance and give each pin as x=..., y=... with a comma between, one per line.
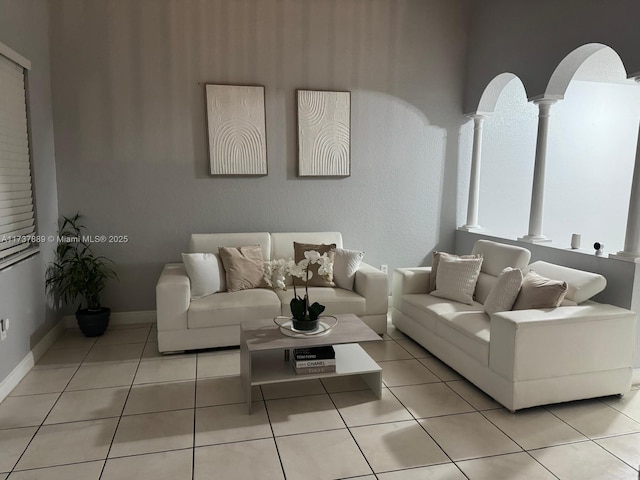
x=263, y=347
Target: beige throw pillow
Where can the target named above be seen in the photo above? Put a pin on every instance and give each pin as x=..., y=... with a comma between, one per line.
x=316, y=280
x=540, y=292
x=244, y=267
x=457, y=278
x=505, y=291
x=436, y=262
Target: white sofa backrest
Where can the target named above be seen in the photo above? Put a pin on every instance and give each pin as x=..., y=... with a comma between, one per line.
x=581, y=285
x=209, y=242
x=282, y=243
x=496, y=257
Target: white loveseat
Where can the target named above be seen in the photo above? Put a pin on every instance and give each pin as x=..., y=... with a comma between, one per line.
x=522, y=358
x=213, y=321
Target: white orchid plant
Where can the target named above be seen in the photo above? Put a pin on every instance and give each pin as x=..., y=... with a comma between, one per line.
x=277, y=270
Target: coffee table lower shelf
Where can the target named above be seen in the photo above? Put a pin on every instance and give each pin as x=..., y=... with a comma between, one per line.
x=265, y=367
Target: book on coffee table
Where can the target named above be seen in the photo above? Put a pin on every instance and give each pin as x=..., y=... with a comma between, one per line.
x=314, y=370
x=314, y=353
x=314, y=359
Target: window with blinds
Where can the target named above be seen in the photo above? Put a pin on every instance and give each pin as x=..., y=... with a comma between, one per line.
x=17, y=215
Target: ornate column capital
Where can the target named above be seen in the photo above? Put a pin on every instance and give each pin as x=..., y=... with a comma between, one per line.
x=477, y=115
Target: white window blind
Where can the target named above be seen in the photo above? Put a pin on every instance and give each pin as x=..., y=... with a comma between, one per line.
x=17, y=216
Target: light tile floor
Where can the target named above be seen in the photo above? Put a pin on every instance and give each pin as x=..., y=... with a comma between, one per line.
x=113, y=408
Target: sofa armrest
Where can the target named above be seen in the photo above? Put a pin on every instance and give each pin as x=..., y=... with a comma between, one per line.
x=173, y=294
x=543, y=343
x=373, y=285
x=409, y=280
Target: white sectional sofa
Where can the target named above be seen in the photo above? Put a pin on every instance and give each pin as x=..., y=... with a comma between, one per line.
x=213, y=321
x=581, y=349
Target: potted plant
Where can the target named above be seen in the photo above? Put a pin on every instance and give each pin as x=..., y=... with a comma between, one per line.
x=306, y=316
x=77, y=273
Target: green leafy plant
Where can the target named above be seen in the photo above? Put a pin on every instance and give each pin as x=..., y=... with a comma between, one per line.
x=77, y=273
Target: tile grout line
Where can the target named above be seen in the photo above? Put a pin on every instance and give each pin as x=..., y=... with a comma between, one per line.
x=526, y=451
x=50, y=410
x=273, y=434
x=616, y=456
x=195, y=412
x=124, y=405
x=587, y=438
x=349, y=428
x=416, y=420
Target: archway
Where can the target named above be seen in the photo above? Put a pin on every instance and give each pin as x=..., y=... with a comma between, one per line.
x=593, y=123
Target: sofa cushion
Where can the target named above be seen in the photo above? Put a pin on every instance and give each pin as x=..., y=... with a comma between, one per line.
x=456, y=278
x=469, y=331
x=581, y=285
x=497, y=256
x=345, y=265
x=539, y=292
x=244, y=267
x=231, y=308
x=504, y=293
x=425, y=308
x=316, y=279
x=205, y=272
x=336, y=300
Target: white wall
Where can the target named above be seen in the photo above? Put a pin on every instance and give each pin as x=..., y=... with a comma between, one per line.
x=24, y=28
x=590, y=160
x=508, y=157
x=129, y=103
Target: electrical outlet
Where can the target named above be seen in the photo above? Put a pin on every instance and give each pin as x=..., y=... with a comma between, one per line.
x=4, y=326
x=384, y=268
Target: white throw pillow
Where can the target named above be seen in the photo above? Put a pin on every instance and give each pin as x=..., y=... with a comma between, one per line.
x=436, y=261
x=205, y=272
x=345, y=266
x=505, y=291
x=456, y=278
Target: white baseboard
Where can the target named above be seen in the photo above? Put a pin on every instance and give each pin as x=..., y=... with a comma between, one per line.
x=635, y=378
x=119, y=318
x=27, y=363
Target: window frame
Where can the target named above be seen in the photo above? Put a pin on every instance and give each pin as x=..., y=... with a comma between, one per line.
x=34, y=244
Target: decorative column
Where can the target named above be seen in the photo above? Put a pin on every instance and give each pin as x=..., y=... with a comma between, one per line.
x=474, y=182
x=537, y=192
x=631, y=252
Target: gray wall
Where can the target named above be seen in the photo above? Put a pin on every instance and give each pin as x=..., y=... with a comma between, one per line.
x=130, y=126
x=529, y=38
x=24, y=28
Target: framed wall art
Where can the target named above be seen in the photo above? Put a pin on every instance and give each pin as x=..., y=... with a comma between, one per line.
x=324, y=133
x=237, y=131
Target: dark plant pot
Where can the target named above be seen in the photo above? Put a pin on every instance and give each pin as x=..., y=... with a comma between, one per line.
x=305, y=325
x=93, y=323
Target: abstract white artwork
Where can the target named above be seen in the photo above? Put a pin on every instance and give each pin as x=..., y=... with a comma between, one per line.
x=237, y=133
x=324, y=133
